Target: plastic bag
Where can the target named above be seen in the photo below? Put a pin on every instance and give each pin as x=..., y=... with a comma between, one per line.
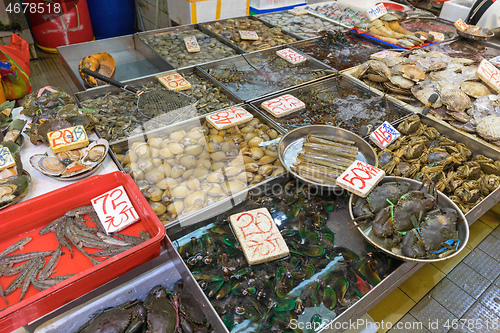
x=15, y=68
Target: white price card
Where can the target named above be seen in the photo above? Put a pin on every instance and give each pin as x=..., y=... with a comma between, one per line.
x=384, y=135
x=460, y=25
x=495, y=61
x=283, y=105
x=259, y=237
x=489, y=74
x=175, y=82
x=299, y=10
x=360, y=178
x=248, y=35
x=192, y=44
x=384, y=54
x=291, y=56
x=6, y=159
x=229, y=118
x=115, y=210
x=437, y=36
x=376, y=12
x=68, y=139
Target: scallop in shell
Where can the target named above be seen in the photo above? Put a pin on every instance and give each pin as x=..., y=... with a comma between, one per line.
x=48, y=165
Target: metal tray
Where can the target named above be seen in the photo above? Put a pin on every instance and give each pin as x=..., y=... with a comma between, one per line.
x=152, y=79
x=164, y=270
x=430, y=24
x=133, y=58
x=297, y=119
x=257, y=74
x=122, y=146
x=478, y=148
x=469, y=49
x=173, y=30
x=203, y=26
x=338, y=223
x=315, y=13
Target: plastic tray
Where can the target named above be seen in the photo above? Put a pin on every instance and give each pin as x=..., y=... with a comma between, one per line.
x=27, y=218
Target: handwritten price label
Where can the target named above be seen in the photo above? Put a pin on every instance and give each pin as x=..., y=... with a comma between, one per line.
x=192, y=44
x=437, y=36
x=68, y=139
x=384, y=54
x=489, y=74
x=6, y=159
x=291, y=56
x=301, y=10
x=495, y=61
x=259, y=237
x=283, y=105
x=175, y=82
x=360, y=178
x=229, y=118
x=376, y=12
x=460, y=25
x=384, y=135
x=115, y=210
x=248, y=35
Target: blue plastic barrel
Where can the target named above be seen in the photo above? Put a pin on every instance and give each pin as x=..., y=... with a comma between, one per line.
x=111, y=18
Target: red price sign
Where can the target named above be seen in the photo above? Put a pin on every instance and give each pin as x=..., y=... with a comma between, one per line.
x=291, y=56
x=229, y=117
x=115, y=209
x=283, y=105
x=360, y=178
x=384, y=135
x=175, y=82
x=384, y=54
x=258, y=235
x=489, y=74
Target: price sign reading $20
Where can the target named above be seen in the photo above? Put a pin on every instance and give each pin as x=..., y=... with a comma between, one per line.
x=229, y=118
x=360, y=178
x=68, y=139
x=291, y=56
x=283, y=105
x=115, y=210
x=175, y=82
x=384, y=135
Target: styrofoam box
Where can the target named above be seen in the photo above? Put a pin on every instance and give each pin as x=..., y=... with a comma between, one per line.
x=266, y=4
x=454, y=9
x=185, y=12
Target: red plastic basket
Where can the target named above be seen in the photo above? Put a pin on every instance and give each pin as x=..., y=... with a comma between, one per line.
x=27, y=218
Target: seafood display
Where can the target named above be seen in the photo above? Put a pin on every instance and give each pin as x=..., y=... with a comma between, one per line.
x=338, y=50
x=339, y=13
x=421, y=151
x=468, y=49
x=324, y=158
x=305, y=26
x=426, y=24
x=464, y=101
x=102, y=63
x=267, y=36
x=171, y=46
x=338, y=102
x=323, y=275
x=119, y=118
x=409, y=222
x=260, y=73
x=160, y=311
x=68, y=164
x=184, y=168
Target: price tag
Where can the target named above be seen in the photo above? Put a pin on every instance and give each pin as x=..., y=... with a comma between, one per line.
x=384, y=135
x=291, y=56
x=192, y=44
x=115, y=210
x=384, y=54
x=259, y=237
x=283, y=105
x=175, y=82
x=300, y=10
x=248, y=35
x=376, y=12
x=68, y=139
x=460, y=25
x=229, y=118
x=489, y=74
x=360, y=178
x=437, y=36
x=6, y=159
x=495, y=61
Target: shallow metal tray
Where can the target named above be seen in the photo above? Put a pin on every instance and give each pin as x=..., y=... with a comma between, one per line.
x=329, y=84
x=438, y=23
x=133, y=58
x=337, y=222
x=469, y=49
x=248, y=67
x=164, y=270
x=173, y=30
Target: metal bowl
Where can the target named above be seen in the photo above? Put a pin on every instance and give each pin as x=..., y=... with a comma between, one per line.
x=442, y=201
x=291, y=144
x=485, y=34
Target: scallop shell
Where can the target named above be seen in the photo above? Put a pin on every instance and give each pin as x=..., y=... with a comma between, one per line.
x=48, y=165
x=96, y=152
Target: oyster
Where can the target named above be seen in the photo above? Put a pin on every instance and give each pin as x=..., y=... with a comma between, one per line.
x=13, y=189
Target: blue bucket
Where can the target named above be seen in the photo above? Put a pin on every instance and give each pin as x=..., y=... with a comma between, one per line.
x=112, y=18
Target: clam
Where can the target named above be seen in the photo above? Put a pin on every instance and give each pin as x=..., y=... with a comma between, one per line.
x=178, y=135
x=155, y=142
x=175, y=207
x=96, y=151
x=180, y=191
x=197, y=198
x=158, y=208
x=154, y=176
x=177, y=171
x=233, y=187
x=166, y=153
x=143, y=150
x=175, y=148
x=154, y=194
x=188, y=161
x=215, y=177
x=193, y=150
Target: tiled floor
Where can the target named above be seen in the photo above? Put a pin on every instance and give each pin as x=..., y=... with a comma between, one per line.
x=458, y=295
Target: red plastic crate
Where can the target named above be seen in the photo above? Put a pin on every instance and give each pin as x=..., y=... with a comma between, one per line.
x=27, y=218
